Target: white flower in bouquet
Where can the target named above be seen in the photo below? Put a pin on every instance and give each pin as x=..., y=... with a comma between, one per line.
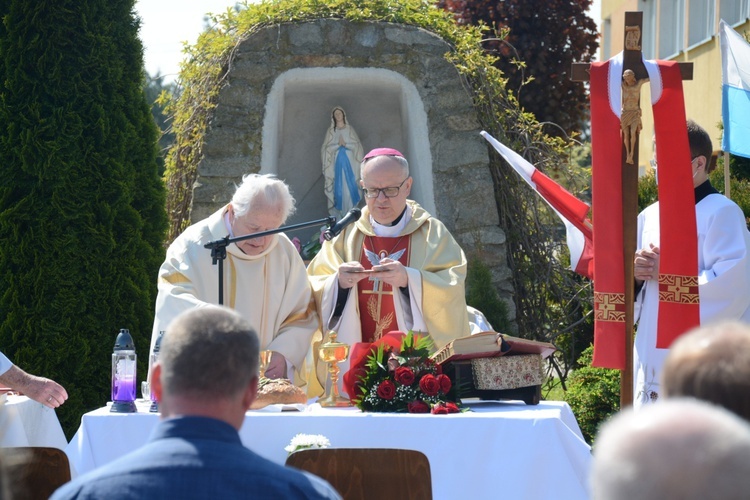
x=302, y=441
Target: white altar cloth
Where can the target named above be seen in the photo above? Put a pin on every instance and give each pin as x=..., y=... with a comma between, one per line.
x=24, y=422
x=498, y=450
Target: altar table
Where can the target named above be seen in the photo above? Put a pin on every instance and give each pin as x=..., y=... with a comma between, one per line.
x=498, y=450
x=24, y=422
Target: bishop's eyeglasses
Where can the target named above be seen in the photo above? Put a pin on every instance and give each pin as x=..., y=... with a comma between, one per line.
x=388, y=192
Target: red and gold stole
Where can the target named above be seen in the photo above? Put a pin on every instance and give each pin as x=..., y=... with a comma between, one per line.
x=606, y=187
x=377, y=312
x=679, y=308
x=678, y=264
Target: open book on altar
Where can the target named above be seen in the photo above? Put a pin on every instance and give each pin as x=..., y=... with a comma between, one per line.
x=489, y=345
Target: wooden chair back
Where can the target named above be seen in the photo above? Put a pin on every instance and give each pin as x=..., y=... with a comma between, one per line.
x=369, y=473
x=35, y=472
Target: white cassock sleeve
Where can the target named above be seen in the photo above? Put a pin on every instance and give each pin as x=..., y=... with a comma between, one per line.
x=5, y=363
x=724, y=263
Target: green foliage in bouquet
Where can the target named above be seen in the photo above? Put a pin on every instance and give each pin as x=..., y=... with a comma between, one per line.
x=407, y=381
x=593, y=394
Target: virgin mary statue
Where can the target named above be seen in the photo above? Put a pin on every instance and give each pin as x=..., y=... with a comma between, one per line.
x=341, y=154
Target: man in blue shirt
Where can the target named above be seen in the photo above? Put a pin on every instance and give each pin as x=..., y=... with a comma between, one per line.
x=205, y=380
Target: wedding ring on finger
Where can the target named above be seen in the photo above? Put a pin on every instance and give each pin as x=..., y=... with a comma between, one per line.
x=49, y=399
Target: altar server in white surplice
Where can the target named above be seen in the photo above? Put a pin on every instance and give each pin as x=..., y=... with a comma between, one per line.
x=723, y=267
x=264, y=278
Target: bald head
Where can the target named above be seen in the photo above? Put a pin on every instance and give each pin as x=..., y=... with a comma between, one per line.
x=386, y=171
x=711, y=363
x=675, y=449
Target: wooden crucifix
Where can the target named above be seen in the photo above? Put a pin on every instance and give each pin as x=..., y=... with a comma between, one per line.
x=634, y=75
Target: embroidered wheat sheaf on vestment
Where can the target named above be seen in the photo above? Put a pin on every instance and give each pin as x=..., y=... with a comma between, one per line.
x=609, y=306
x=679, y=289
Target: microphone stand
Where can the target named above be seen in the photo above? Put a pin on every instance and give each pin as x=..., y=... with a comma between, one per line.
x=219, y=247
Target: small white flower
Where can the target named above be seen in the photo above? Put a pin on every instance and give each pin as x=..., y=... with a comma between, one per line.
x=302, y=441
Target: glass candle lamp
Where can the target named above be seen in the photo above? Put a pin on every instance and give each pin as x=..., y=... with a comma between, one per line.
x=154, y=358
x=123, y=374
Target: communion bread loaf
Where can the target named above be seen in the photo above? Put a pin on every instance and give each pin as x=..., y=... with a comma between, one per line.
x=277, y=391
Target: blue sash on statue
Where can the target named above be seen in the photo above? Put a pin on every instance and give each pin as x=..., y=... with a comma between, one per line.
x=344, y=169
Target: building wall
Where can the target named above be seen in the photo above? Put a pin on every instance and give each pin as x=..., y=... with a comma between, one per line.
x=703, y=92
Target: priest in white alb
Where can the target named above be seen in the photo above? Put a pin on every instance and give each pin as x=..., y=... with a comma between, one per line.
x=264, y=278
x=396, y=268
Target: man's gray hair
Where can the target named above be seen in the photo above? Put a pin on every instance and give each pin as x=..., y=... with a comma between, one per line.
x=675, y=448
x=711, y=363
x=208, y=352
x=400, y=159
x=262, y=188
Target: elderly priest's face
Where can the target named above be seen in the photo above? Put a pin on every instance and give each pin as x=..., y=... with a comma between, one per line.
x=262, y=216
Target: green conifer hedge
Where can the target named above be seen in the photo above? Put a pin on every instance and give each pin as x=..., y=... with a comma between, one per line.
x=82, y=214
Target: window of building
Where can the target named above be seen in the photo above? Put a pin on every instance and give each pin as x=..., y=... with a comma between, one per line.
x=606, y=48
x=671, y=28
x=648, y=40
x=734, y=11
x=701, y=15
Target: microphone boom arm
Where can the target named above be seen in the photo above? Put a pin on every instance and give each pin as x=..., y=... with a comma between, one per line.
x=219, y=247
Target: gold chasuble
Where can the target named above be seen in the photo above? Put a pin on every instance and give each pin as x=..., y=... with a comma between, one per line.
x=377, y=302
x=435, y=303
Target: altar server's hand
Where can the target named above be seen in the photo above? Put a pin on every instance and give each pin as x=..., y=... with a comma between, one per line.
x=646, y=264
x=392, y=272
x=347, y=278
x=277, y=366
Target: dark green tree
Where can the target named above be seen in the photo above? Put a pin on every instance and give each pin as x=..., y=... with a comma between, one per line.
x=154, y=87
x=545, y=37
x=81, y=204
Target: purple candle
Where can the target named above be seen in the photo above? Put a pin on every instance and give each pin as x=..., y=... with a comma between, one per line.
x=123, y=388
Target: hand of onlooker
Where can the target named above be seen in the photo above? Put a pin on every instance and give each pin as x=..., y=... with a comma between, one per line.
x=43, y=390
x=646, y=264
x=277, y=366
x=392, y=272
x=350, y=273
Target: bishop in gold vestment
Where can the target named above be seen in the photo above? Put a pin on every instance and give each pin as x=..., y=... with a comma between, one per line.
x=396, y=268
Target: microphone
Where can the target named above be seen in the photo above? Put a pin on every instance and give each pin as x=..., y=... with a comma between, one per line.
x=352, y=216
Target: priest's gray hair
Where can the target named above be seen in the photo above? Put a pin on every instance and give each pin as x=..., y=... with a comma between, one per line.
x=207, y=353
x=262, y=189
x=675, y=448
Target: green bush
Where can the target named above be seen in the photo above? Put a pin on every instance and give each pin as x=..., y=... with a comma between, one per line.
x=82, y=214
x=481, y=294
x=593, y=394
x=648, y=191
x=739, y=187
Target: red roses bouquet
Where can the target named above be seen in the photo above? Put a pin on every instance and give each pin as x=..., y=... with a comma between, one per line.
x=406, y=380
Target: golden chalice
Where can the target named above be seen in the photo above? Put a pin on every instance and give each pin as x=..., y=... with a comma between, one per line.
x=265, y=360
x=333, y=353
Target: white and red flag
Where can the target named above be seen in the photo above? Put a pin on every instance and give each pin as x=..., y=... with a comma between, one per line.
x=572, y=211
